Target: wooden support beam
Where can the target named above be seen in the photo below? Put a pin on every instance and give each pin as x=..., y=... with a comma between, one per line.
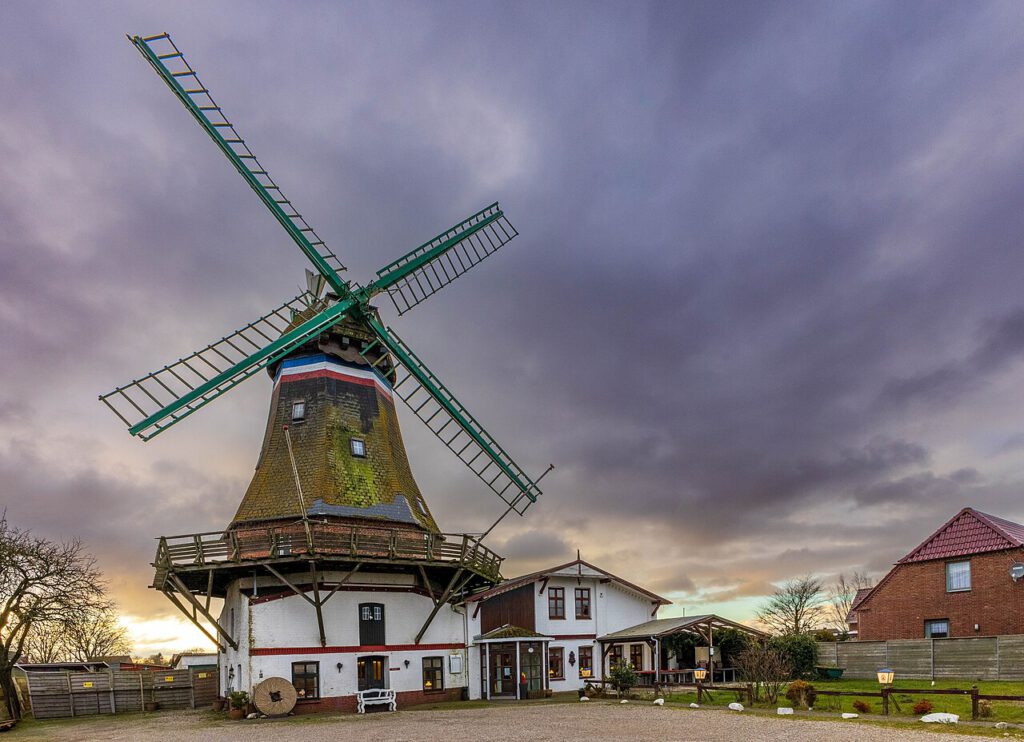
x=426, y=583
x=187, y=594
x=209, y=588
x=211, y=637
x=437, y=604
x=285, y=580
x=345, y=579
x=543, y=584
x=318, y=605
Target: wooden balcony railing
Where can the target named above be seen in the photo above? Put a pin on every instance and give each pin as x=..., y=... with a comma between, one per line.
x=242, y=545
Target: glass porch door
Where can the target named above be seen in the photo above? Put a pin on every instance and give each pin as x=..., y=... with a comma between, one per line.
x=503, y=670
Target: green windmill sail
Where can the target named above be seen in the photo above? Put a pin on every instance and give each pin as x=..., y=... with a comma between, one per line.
x=341, y=316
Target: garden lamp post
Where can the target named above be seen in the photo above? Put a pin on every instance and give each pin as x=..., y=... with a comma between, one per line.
x=700, y=674
x=885, y=677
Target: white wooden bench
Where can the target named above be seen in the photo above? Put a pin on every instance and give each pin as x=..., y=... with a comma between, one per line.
x=376, y=696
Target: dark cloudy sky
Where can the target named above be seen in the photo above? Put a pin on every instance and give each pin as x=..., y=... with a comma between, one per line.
x=764, y=313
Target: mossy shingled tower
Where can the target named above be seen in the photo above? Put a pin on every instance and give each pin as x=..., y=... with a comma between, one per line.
x=346, y=440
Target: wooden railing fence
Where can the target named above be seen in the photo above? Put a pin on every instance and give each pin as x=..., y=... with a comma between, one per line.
x=886, y=694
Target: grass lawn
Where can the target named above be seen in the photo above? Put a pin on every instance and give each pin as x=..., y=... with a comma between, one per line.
x=1009, y=711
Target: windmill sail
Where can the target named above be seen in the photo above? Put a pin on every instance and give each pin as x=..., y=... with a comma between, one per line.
x=151, y=404
x=447, y=419
x=437, y=262
x=170, y=63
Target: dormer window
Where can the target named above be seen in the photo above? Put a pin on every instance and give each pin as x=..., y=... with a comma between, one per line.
x=358, y=447
x=298, y=411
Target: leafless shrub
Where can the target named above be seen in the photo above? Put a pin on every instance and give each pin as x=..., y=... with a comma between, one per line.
x=766, y=669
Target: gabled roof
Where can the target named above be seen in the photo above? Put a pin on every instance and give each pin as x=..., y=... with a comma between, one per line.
x=862, y=593
x=508, y=631
x=667, y=626
x=569, y=569
x=968, y=532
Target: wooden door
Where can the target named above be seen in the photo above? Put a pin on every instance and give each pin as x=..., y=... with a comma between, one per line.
x=503, y=671
x=371, y=672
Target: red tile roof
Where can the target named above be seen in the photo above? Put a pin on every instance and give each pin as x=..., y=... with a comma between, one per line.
x=968, y=532
x=515, y=582
x=851, y=616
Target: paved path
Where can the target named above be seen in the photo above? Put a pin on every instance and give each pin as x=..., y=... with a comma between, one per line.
x=556, y=722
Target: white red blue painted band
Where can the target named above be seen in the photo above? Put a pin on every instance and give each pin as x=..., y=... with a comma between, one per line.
x=323, y=366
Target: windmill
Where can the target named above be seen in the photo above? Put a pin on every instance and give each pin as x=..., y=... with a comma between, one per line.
x=340, y=505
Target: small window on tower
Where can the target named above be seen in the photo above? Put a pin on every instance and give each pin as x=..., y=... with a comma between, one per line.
x=358, y=447
x=298, y=411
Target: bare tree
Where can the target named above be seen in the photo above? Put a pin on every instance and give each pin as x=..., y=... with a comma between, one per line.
x=96, y=633
x=41, y=583
x=796, y=608
x=44, y=643
x=78, y=636
x=840, y=598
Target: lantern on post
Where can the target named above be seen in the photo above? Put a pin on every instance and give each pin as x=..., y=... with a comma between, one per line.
x=886, y=675
x=700, y=674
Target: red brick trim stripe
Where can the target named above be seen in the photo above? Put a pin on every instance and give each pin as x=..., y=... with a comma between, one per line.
x=271, y=651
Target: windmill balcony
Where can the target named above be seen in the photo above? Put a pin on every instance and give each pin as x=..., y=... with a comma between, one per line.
x=327, y=541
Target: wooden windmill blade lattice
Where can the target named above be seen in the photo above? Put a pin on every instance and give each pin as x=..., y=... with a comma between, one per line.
x=154, y=402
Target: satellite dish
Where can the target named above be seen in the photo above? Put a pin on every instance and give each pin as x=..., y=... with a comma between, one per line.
x=1016, y=571
x=275, y=696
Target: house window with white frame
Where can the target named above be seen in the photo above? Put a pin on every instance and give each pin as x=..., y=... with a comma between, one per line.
x=936, y=629
x=958, y=576
x=583, y=602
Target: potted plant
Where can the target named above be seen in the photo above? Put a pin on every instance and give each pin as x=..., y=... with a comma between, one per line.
x=239, y=701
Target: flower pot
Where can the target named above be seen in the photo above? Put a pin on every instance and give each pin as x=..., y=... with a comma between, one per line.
x=151, y=705
x=236, y=714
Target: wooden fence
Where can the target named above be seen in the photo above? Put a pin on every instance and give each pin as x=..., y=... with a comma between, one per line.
x=886, y=694
x=977, y=658
x=57, y=694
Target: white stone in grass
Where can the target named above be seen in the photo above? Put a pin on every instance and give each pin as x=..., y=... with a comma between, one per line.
x=849, y=716
x=251, y=716
x=783, y=711
x=735, y=706
x=624, y=701
x=659, y=701
x=695, y=705
x=940, y=718
x=583, y=698
x=1002, y=725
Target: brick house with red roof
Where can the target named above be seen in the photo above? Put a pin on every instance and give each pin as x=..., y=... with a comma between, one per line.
x=956, y=583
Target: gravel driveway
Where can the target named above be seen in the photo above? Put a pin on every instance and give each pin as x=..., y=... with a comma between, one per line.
x=594, y=721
